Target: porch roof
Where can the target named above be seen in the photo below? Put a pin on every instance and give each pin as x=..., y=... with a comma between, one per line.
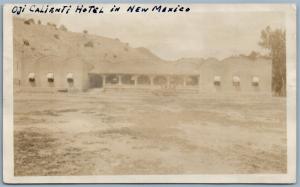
x=142, y=68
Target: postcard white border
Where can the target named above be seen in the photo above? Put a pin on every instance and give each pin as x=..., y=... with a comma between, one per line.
x=289, y=177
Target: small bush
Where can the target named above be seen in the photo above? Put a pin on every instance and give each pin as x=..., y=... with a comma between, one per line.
x=26, y=42
x=89, y=44
x=63, y=28
x=85, y=32
x=39, y=22
x=51, y=25
x=56, y=36
x=29, y=21
x=115, y=56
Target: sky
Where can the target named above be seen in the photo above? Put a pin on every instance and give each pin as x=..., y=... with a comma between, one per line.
x=196, y=34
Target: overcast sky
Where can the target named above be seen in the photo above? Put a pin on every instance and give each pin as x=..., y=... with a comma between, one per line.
x=173, y=36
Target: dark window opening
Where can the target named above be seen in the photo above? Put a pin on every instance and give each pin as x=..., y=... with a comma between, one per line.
x=70, y=80
x=255, y=84
x=31, y=79
x=143, y=79
x=51, y=80
x=255, y=81
x=217, y=83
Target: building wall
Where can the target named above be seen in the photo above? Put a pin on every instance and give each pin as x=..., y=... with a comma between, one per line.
x=244, y=69
x=60, y=68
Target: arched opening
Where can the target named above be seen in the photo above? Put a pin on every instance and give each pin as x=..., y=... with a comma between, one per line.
x=112, y=79
x=143, y=80
x=192, y=80
x=160, y=80
x=177, y=80
x=128, y=79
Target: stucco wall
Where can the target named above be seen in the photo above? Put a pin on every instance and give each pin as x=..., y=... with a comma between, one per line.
x=60, y=69
x=241, y=67
x=244, y=68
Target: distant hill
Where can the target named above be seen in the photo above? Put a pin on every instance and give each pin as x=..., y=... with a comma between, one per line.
x=34, y=40
x=49, y=40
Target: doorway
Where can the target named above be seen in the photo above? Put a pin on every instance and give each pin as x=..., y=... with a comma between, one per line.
x=95, y=80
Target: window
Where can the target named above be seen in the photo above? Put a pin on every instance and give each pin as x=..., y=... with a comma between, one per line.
x=50, y=77
x=255, y=81
x=236, y=81
x=31, y=77
x=70, y=78
x=217, y=80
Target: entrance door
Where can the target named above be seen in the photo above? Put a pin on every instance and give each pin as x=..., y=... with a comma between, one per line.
x=95, y=81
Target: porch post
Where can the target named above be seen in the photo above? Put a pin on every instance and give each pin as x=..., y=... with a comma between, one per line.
x=184, y=81
x=119, y=80
x=135, y=80
x=151, y=80
x=168, y=81
x=199, y=84
x=103, y=80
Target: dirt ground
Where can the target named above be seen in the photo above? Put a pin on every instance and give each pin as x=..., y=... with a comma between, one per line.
x=101, y=134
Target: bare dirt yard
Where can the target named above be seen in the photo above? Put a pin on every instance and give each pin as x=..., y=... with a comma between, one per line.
x=102, y=134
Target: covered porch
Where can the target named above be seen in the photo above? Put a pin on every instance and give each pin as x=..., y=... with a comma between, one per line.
x=151, y=81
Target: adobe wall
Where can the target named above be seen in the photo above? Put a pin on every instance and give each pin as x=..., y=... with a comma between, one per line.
x=244, y=69
x=60, y=68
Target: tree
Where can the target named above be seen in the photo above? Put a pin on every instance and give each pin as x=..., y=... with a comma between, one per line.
x=29, y=21
x=253, y=55
x=274, y=40
x=63, y=28
x=89, y=44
